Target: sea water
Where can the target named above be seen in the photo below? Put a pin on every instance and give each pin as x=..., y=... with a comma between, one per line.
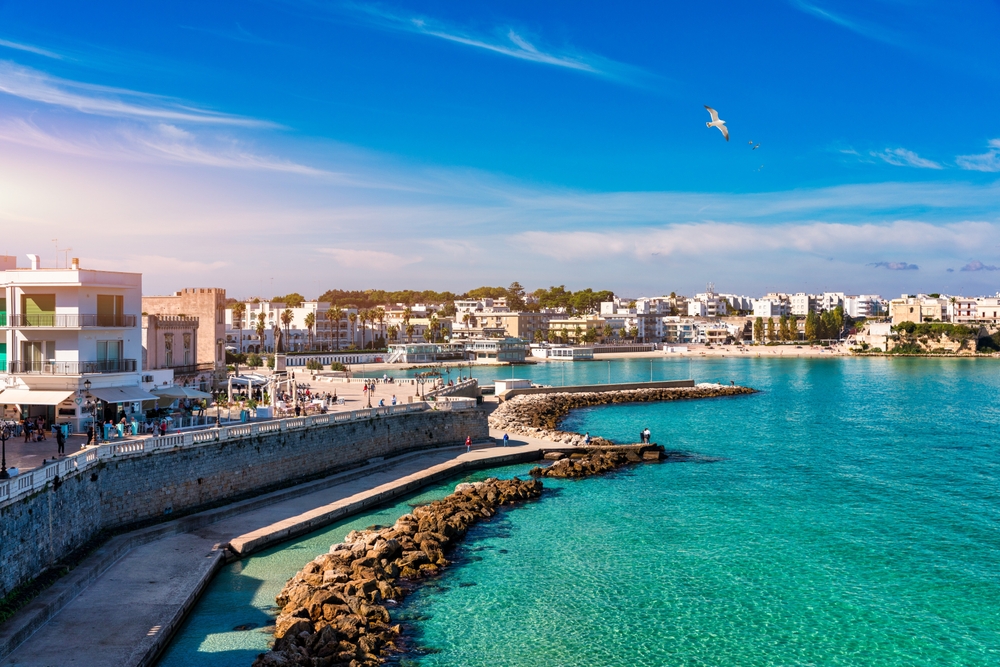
x=845, y=515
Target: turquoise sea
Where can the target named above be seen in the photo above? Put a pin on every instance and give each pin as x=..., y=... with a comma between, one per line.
x=848, y=514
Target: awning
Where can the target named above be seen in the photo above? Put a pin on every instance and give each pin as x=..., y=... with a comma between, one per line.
x=179, y=392
x=34, y=396
x=122, y=394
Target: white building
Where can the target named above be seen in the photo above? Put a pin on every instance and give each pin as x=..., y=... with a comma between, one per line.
x=864, y=305
x=771, y=308
x=802, y=304
x=326, y=334
x=63, y=328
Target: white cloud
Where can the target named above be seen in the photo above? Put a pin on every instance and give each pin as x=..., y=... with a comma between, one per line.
x=988, y=161
x=160, y=142
x=30, y=49
x=719, y=240
x=376, y=260
x=512, y=44
x=31, y=84
x=901, y=157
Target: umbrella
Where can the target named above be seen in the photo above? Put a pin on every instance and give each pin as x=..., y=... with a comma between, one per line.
x=180, y=392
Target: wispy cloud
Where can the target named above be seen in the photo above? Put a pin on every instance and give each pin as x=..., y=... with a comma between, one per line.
x=859, y=27
x=507, y=42
x=976, y=265
x=160, y=142
x=371, y=259
x=904, y=158
x=31, y=84
x=30, y=49
x=988, y=161
x=895, y=266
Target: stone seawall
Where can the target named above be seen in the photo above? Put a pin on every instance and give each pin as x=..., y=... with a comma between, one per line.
x=38, y=530
x=539, y=415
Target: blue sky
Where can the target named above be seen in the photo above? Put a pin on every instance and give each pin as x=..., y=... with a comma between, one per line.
x=272, y=146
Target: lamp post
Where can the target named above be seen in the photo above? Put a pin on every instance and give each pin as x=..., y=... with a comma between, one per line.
x=4, y=434
x=91, y=406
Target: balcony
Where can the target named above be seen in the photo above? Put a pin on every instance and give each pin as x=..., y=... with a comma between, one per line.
x=70, y=321
x=71, y=367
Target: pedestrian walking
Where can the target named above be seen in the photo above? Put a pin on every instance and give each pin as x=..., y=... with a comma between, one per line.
x=90, y=434
x=468, y=443
x=506, y=439
x=394, y=399
x=586, y=438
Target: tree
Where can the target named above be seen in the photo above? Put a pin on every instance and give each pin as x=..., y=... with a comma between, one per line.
x=353, y=317
x=310, y=321
x=793, y=328
x=539, y=336
x=410, y=328
x=260, y=331
x=379, y=314
x=812, y=326
x=286, y=319
x=428, y=335
x=771, y=336
x=239, y=311
x=393, y=330
x=435, y=327
x=633, y=333
x=515, y=297
x=576, y=333
x=254, y=361
x=363, y=318
x=293, y=300
x=758, y=329
x=552, y=335
x=608, y=330
x=336, y=314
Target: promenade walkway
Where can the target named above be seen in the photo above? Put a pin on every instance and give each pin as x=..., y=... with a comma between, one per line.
x=121, y=606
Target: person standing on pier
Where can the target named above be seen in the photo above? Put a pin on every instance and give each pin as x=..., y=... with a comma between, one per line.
x=645, y=435
x=468, y=443
x=506, y=439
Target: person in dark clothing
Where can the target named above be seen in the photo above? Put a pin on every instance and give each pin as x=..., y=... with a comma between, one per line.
x=90, y=434
x=60, y=439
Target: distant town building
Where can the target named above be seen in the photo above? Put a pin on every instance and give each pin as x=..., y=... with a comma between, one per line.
x=208, y=305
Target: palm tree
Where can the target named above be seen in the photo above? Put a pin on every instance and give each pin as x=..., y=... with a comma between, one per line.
x=379, y=314
x=363, y=316
x=310, y=323
x=260, y=331
x=239, y=310
x=608, y=330
x=410, y=328
x=286, y=319
x=435, y=326
x=353, y=317
x=465, y=320
x=393, y=330
x=336, y=314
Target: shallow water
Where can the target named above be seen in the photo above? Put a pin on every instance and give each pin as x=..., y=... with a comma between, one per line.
x=850, y=517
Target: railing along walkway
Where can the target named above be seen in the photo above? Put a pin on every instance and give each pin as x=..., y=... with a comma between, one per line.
x=35, y=480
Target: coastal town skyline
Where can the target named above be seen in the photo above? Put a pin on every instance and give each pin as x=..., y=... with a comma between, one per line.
x=556, y=138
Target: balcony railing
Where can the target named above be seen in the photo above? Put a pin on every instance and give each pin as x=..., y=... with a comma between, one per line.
x=70, y=321
x=71, y=367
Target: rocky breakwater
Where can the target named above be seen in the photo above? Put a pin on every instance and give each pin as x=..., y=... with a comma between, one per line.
x=597, y=461
x=334, y=611
x=539, y=415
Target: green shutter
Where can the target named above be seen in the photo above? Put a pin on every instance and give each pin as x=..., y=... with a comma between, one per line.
x=3, y=312
x=3, y=357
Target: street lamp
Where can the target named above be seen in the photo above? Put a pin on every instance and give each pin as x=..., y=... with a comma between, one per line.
x=4, y=434
x=91, y=407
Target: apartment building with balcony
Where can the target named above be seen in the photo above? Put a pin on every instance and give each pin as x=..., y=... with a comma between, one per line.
x=63, y=327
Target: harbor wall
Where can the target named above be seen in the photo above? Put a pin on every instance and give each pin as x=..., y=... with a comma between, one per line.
x=130, y=489
x=581, y=389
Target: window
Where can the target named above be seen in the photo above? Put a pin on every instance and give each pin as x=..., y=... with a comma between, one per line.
x=109, y=310
x=168, y=349
x=109, y=355
x=39, y=310
x=37, y=353
x=187, y=349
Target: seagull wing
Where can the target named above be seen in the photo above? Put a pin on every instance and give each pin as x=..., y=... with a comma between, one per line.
x=724, y=130
x=755, y=147
x=713, y=112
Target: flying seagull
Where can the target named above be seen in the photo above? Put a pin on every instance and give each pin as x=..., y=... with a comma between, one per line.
x=755, y=147
x=721, y=124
